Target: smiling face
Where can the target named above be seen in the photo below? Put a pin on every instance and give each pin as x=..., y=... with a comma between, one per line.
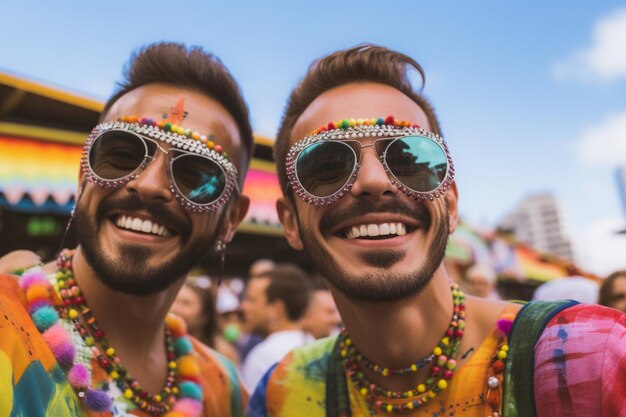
x=400, y=243
x=138, y=238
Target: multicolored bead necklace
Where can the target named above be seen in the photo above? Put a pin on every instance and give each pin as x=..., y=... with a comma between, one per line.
x=181, y=396
x=442, y=356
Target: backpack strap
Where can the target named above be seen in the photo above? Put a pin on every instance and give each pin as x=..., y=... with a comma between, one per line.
x=337, y=398
x=519, y=396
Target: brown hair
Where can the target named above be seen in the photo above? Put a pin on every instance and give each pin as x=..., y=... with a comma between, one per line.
x=361, y=63
x=192, y=68
x=605, y=296
x=291, y=285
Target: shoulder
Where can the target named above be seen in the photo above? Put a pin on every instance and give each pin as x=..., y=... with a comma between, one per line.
x=296, y=381
x=582, y=351
x=220, y=380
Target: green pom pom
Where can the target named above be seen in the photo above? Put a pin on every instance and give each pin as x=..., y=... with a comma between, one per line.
x=190, y=390
x=45, y=317
x=182, y=346
x=344, y=124
x=167, y=127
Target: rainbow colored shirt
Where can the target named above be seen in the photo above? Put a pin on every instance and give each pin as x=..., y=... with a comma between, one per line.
x=580, y=370
x=32, y=384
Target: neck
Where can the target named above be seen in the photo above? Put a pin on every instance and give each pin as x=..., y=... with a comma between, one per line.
x=284, y=325
x=399, y=333
x=133, y=325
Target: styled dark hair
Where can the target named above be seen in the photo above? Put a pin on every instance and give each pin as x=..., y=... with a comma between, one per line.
x=292, y=286
x=605, y=296
x=361, y=63
x=192, y=68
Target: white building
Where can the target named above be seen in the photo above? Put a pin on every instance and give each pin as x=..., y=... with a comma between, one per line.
x=538, y=221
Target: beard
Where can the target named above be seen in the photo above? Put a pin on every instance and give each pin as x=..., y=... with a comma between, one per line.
x=129, y=272
x=383, y=285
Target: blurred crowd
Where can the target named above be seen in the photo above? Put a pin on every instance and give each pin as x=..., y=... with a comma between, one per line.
x=256, y=320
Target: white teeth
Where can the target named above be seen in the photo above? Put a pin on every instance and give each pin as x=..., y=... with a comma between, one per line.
x=146, y=227
x=373, y=230
x=140, y=225
x=136, y=224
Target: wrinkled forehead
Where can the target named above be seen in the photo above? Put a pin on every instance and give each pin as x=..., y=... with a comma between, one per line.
x=358, y=100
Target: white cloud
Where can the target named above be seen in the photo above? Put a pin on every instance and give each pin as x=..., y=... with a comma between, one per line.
x=605, y=59
x=604, y=144
x=600, y=249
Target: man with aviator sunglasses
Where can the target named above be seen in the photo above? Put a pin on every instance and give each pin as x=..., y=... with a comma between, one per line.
x=369, y=192
x=160, y=189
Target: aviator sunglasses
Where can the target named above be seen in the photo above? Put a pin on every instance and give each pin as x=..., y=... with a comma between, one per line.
x=201, y=177
x=322, y=167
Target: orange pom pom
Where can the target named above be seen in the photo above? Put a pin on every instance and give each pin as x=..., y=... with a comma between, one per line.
x=37, y=292
x=188, y=366
x=176, y=325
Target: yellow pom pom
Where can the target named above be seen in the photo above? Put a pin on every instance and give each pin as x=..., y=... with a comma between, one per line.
x=385, y=372
x=409, y=405
x=172, y=365
x=442, y=384
x=432, y=394
x=421, y=388
x=363, y=391
x=445, y=340
x=128, y=393
x=389, y=408
x=72, y=313
x=158, y=398
x=437, y=351
x=114, y=375
x=414, y=368
x=501, y=354
x=351, y=122
x=505, y=348
x=89, y=341
x=188, y=366
x=175, y=390
x=110, y=351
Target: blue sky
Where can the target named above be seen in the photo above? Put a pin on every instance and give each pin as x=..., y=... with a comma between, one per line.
x=530, y=94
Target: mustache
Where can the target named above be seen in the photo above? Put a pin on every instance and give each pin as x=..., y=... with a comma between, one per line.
x=364, y=207
x=159, y=212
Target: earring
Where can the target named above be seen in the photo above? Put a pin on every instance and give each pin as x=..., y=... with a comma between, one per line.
x=220, y=249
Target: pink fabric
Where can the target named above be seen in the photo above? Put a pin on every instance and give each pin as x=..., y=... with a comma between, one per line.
x=579, y=359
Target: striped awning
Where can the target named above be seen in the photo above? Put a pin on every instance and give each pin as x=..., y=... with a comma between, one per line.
x=40, y=176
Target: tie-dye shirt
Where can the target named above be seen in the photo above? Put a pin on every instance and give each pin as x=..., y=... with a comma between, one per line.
x=580, y=370
x=32, y=384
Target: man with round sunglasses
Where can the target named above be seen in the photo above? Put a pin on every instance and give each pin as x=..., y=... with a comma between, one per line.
x=160, y=183
x=370, y=193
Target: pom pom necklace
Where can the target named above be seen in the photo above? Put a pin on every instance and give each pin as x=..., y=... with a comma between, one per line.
x=182, y=394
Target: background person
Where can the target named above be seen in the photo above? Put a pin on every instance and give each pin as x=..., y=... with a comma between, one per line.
x=613, y=291
x=322, y=317
x=273, y=305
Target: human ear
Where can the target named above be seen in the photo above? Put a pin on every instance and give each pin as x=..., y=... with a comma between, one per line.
x=289, y=220
x=235, y=214
x=451, y=198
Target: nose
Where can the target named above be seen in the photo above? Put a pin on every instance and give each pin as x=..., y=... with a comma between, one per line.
x=153, y=183
x=372, y=179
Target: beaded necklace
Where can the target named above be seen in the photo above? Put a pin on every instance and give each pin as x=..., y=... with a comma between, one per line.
x=442, y=356
x=182, y=394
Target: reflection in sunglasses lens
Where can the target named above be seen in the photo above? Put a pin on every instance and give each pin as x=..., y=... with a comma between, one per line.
x=418, y=162
x=116, y=154
x=323, y=168
x=199, y=179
